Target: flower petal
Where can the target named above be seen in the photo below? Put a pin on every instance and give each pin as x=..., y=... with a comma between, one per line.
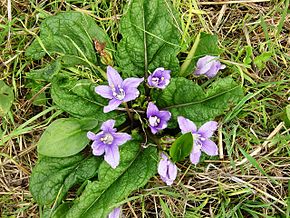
x=113, y=104
x=194, y=157
x=204, y=64
x=186, y=125
x=98, y=148
x=162, y=168
x=108, y=126
x=131, y=83
x=115, y=213
x=172, y=171
x=121, y=138
x=91, y=136
x=114, y=77
x=104, y=91
x=131, y=94
x=152, y=109
x=165, y=115
x=112, y=155
x=209, y=147
x=153, y=130
x=207, y=129
x=216, y=66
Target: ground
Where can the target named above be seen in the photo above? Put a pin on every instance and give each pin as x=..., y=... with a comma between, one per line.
x=250, y=177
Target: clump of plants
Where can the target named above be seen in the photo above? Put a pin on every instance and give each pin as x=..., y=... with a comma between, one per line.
x=144, y=114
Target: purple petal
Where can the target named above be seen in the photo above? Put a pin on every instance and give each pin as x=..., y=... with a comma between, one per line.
x=163, y=156
x=113, y=104
x=131, y=83
x=151, y=109
x=108, y=126
x=112, y=155
x=194, y=157
x=131, y=94
x=154, y=130
x=167, y=180
x=114, y=77
x=204, y=64
x=162, y=168
x=165, y=115
x=172, y=171
x=104, y=91
x=98, y=148
x=115, y=213
x=214, y=69
x=121, y=138
x=162, y=76
x=186, y=125
x=207, y=129
x=91, y=136
x=209, y=147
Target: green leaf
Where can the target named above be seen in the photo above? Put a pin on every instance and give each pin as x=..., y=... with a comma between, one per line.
x=52, y=177
x=181, y=147
x=70, y=35
x=136, y=167
x=182, y=97
x=79, y=99
x=150, y=38
x=61, y=210
x=206, y=44
x=46, y=73
x=261, y=60
x=63, y=138
x=6, y=98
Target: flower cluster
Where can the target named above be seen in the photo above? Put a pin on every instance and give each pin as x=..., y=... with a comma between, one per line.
x=120, y=91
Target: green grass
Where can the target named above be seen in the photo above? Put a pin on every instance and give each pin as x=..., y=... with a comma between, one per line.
x=219, y=187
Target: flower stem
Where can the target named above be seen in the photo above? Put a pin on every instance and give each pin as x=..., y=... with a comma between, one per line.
x=128, y=111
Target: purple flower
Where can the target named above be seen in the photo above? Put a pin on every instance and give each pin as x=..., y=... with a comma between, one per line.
x=116, y=213
x=118, y=90
x=107, y=141
x=160, y=78
x=201, y=141
x=157, y=119
x=167, y=170
x=208, y=66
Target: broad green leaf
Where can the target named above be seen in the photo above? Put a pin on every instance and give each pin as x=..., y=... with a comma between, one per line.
x=136, y=167
x=61, y=210
x=79, y=99
x=206, y=44
x=6, y=98
x=46, y=73
x=52, y=177
x=63, y=138
x=181, y=147
x=37, y=79
x=150, y=38
x=183, y=97
x=36, y=94
x=70, y=35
